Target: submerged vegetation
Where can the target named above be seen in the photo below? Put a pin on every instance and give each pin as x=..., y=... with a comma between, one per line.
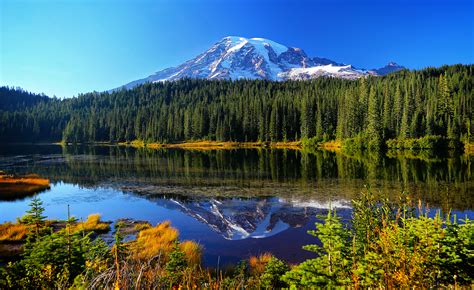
x=388, y=245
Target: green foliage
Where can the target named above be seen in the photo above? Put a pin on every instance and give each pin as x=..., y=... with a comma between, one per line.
x=331, y=267
x=426, y=142
x=356, y=143
x=393, y=246
x=175, y=266
x=34, y=218
x=51, y=261
x=313, y=142
x=407, y=104
x=274, y=269
x=388, y=245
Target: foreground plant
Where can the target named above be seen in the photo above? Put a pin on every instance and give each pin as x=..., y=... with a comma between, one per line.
x=388, y=246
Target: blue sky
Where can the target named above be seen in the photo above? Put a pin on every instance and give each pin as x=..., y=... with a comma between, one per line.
x=64, y=48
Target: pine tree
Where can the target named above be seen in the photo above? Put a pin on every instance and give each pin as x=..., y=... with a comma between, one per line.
x=331, y=268
x=373, y=121
x=34, y=217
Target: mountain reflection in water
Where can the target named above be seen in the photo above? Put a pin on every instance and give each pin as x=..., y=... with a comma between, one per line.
x=234, y=202
x=239, y=218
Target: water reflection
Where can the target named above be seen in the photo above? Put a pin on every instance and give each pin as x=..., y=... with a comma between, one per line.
x=235, y=203
x=241, y=218
x=444, y=182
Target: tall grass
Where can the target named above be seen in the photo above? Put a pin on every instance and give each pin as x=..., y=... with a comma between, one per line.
x=13, y=232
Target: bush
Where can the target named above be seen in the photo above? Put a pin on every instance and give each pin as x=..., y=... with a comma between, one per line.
x=393, y=246
x=426, y=142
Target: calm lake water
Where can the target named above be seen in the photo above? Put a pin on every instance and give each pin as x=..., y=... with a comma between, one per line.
x=236, y=203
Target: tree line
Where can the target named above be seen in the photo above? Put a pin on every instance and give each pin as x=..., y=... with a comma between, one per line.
x=406, y=104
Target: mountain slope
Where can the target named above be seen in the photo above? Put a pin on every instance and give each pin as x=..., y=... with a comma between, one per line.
x=258, y=58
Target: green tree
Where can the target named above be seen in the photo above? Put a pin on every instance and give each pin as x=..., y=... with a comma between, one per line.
x=34, y=217
x=373, y=131
x=332, y=266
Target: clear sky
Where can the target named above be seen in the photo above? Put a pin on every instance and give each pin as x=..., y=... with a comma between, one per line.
x=68, y=47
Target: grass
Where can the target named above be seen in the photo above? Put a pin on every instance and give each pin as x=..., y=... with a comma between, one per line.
x=22, y=185
x=214, y=145
x=17, y=232
x=333, y=145
x=257, y=263
x=192, y=251
x=92, y=224
x=13, y=232
x=155, y=241
x=159, y=241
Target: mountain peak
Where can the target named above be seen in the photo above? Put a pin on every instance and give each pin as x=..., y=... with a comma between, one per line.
x=392, y=63
x=237, y=42
x=236, y=57
x=388, y=68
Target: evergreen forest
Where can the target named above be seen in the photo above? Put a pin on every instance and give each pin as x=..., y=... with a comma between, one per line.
x=433, y=103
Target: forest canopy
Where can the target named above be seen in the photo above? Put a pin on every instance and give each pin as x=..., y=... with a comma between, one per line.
x=406, y=104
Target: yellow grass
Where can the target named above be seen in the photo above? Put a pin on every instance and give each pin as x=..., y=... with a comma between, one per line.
x=92, y=224
x=29, y=180
x=10, y=232
x=288, y=145
x=159, y=241
x=155, y=241
x=216, y=145
x=10, y=184
x=257, y=264
x=192, y=251
x=333, y=145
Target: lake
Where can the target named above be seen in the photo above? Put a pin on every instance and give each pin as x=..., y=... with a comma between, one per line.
x=235, y=203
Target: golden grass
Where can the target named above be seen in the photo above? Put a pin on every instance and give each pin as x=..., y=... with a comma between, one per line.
x=287, y=145
x=192, y=251
x=159, y=241
x=92, y=224
x=215, y=145
x=27, y=179
x=10, y=232
x=154, y=241
x=257, y=263
x=22, y=185
x=333, y=145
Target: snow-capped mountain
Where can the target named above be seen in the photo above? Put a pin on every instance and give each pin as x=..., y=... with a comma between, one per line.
x=258, y=58
x=389, y=68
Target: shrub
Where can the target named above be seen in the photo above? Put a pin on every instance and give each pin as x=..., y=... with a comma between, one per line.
x=274, y=269
x=426, y=142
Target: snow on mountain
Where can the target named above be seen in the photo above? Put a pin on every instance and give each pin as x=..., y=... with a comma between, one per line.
x=236, y=57
x=389, y=68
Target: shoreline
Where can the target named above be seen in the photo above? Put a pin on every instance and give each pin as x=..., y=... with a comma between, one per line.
x=331, y=146
x=215, y=145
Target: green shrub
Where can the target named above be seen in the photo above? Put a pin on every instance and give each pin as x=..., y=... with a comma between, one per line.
x=427, y=142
